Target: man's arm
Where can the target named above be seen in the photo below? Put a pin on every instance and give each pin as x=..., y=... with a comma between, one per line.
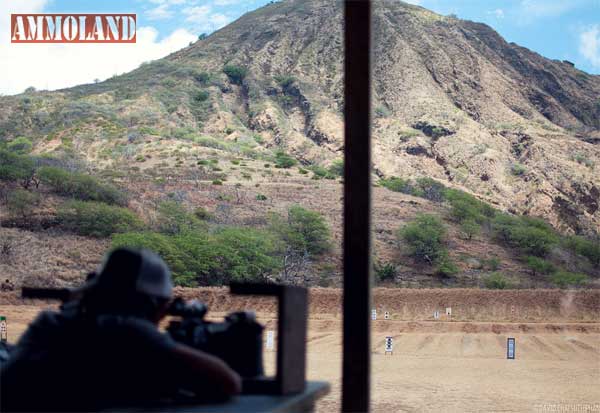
x=205, y=375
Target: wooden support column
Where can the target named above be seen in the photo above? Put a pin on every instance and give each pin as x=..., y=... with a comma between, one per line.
x=357, y=207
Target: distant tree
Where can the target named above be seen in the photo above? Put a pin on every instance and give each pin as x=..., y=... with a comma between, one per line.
x=20, y=145
x=202, y=36
x=236, y=74
x=21, y=203
x=425, y=237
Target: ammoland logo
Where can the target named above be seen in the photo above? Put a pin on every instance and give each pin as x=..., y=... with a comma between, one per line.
x=73, y=28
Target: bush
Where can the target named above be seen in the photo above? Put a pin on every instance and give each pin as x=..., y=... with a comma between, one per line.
x=540, y=265
x=465, y=207
x=201, y=96
x=446, y=267
x=80, y=186
x=396, y=184
x=425, y=237
x=585, y=247
x=517, y=169
x=202, y=214
x=497, y=281
x=173, y=218
x=385, y=271
x=20, y=146
x=470, y=228
x=96, y=219
x=566, y=279
x=283, y=160
x=284, y=81
x=14, y=167
x=261, y=197
x=196, y=257
x=337, y=167
x=531, y=236
x=491, y=263
x=20, y=202
x=430, y=189
x=235, y=73
x=303, y=231
x=319, y=173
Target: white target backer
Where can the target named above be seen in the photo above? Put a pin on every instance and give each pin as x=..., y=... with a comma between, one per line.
x=270, y=339
x=389, y=344
x=373, y=314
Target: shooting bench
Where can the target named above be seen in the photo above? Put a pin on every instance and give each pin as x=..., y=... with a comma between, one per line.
x=295, y=403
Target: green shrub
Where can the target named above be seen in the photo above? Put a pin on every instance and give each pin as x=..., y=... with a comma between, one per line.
x=303, y=230
x=96, y=219
x=470, y=228
x=201, y=96
x=202, y=214
x=497, y=281
x=319, y=173
x=385, y=271
x=20, y=146
x=425, y=238
x=284, y=81
x=585, y=247
x=446, y=267
x=230, y=254
x=539, y=265
x=261, y=197
x=465, y=207
x=283, y=160
x=517, y=169
x=396, y=184
x=80, y=186
x=531, y=236
x=491, y=263
x=566, y=279
x=14, y=167
x=173, y=218
x=337, y=167
x=302, y=171
x=20, y=202
x=429, y=189
x=235, y=73
x=217, y=182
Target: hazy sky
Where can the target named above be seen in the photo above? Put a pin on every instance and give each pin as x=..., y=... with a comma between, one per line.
x=558, y=29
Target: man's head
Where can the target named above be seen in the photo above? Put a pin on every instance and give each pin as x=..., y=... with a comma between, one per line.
x=131, y=282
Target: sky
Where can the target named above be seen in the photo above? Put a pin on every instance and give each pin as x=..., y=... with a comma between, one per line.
x=557, y=29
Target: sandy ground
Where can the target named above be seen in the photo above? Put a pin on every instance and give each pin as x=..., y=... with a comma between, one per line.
x=451, y=365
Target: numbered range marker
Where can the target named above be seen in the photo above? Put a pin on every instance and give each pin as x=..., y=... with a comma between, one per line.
x=3, y=329
x=436, y=315
x=270, y=339
x=373, y=314
x=510, y=348
x=386, y=315
x=448, y=311
x=389, y=345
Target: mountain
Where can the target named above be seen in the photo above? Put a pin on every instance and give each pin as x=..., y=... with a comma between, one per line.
x=452, y=100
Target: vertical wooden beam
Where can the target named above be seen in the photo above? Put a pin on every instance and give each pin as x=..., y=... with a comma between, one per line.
x=357, y=207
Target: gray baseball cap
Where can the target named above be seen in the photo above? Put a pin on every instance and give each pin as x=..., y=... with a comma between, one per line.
x=127, y=270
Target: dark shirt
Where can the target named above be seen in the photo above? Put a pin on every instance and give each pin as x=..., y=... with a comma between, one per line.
x=65, y=362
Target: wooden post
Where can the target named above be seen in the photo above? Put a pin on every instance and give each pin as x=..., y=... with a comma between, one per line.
x=357, y=207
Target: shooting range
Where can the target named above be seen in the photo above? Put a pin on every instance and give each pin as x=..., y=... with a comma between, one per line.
x=386, y=315
x=373, y=314
x=3, y=329
x=270, y=339
x=510, y=348
x=389, y=345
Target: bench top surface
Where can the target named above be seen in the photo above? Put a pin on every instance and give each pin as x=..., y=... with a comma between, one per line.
x=260, y=402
